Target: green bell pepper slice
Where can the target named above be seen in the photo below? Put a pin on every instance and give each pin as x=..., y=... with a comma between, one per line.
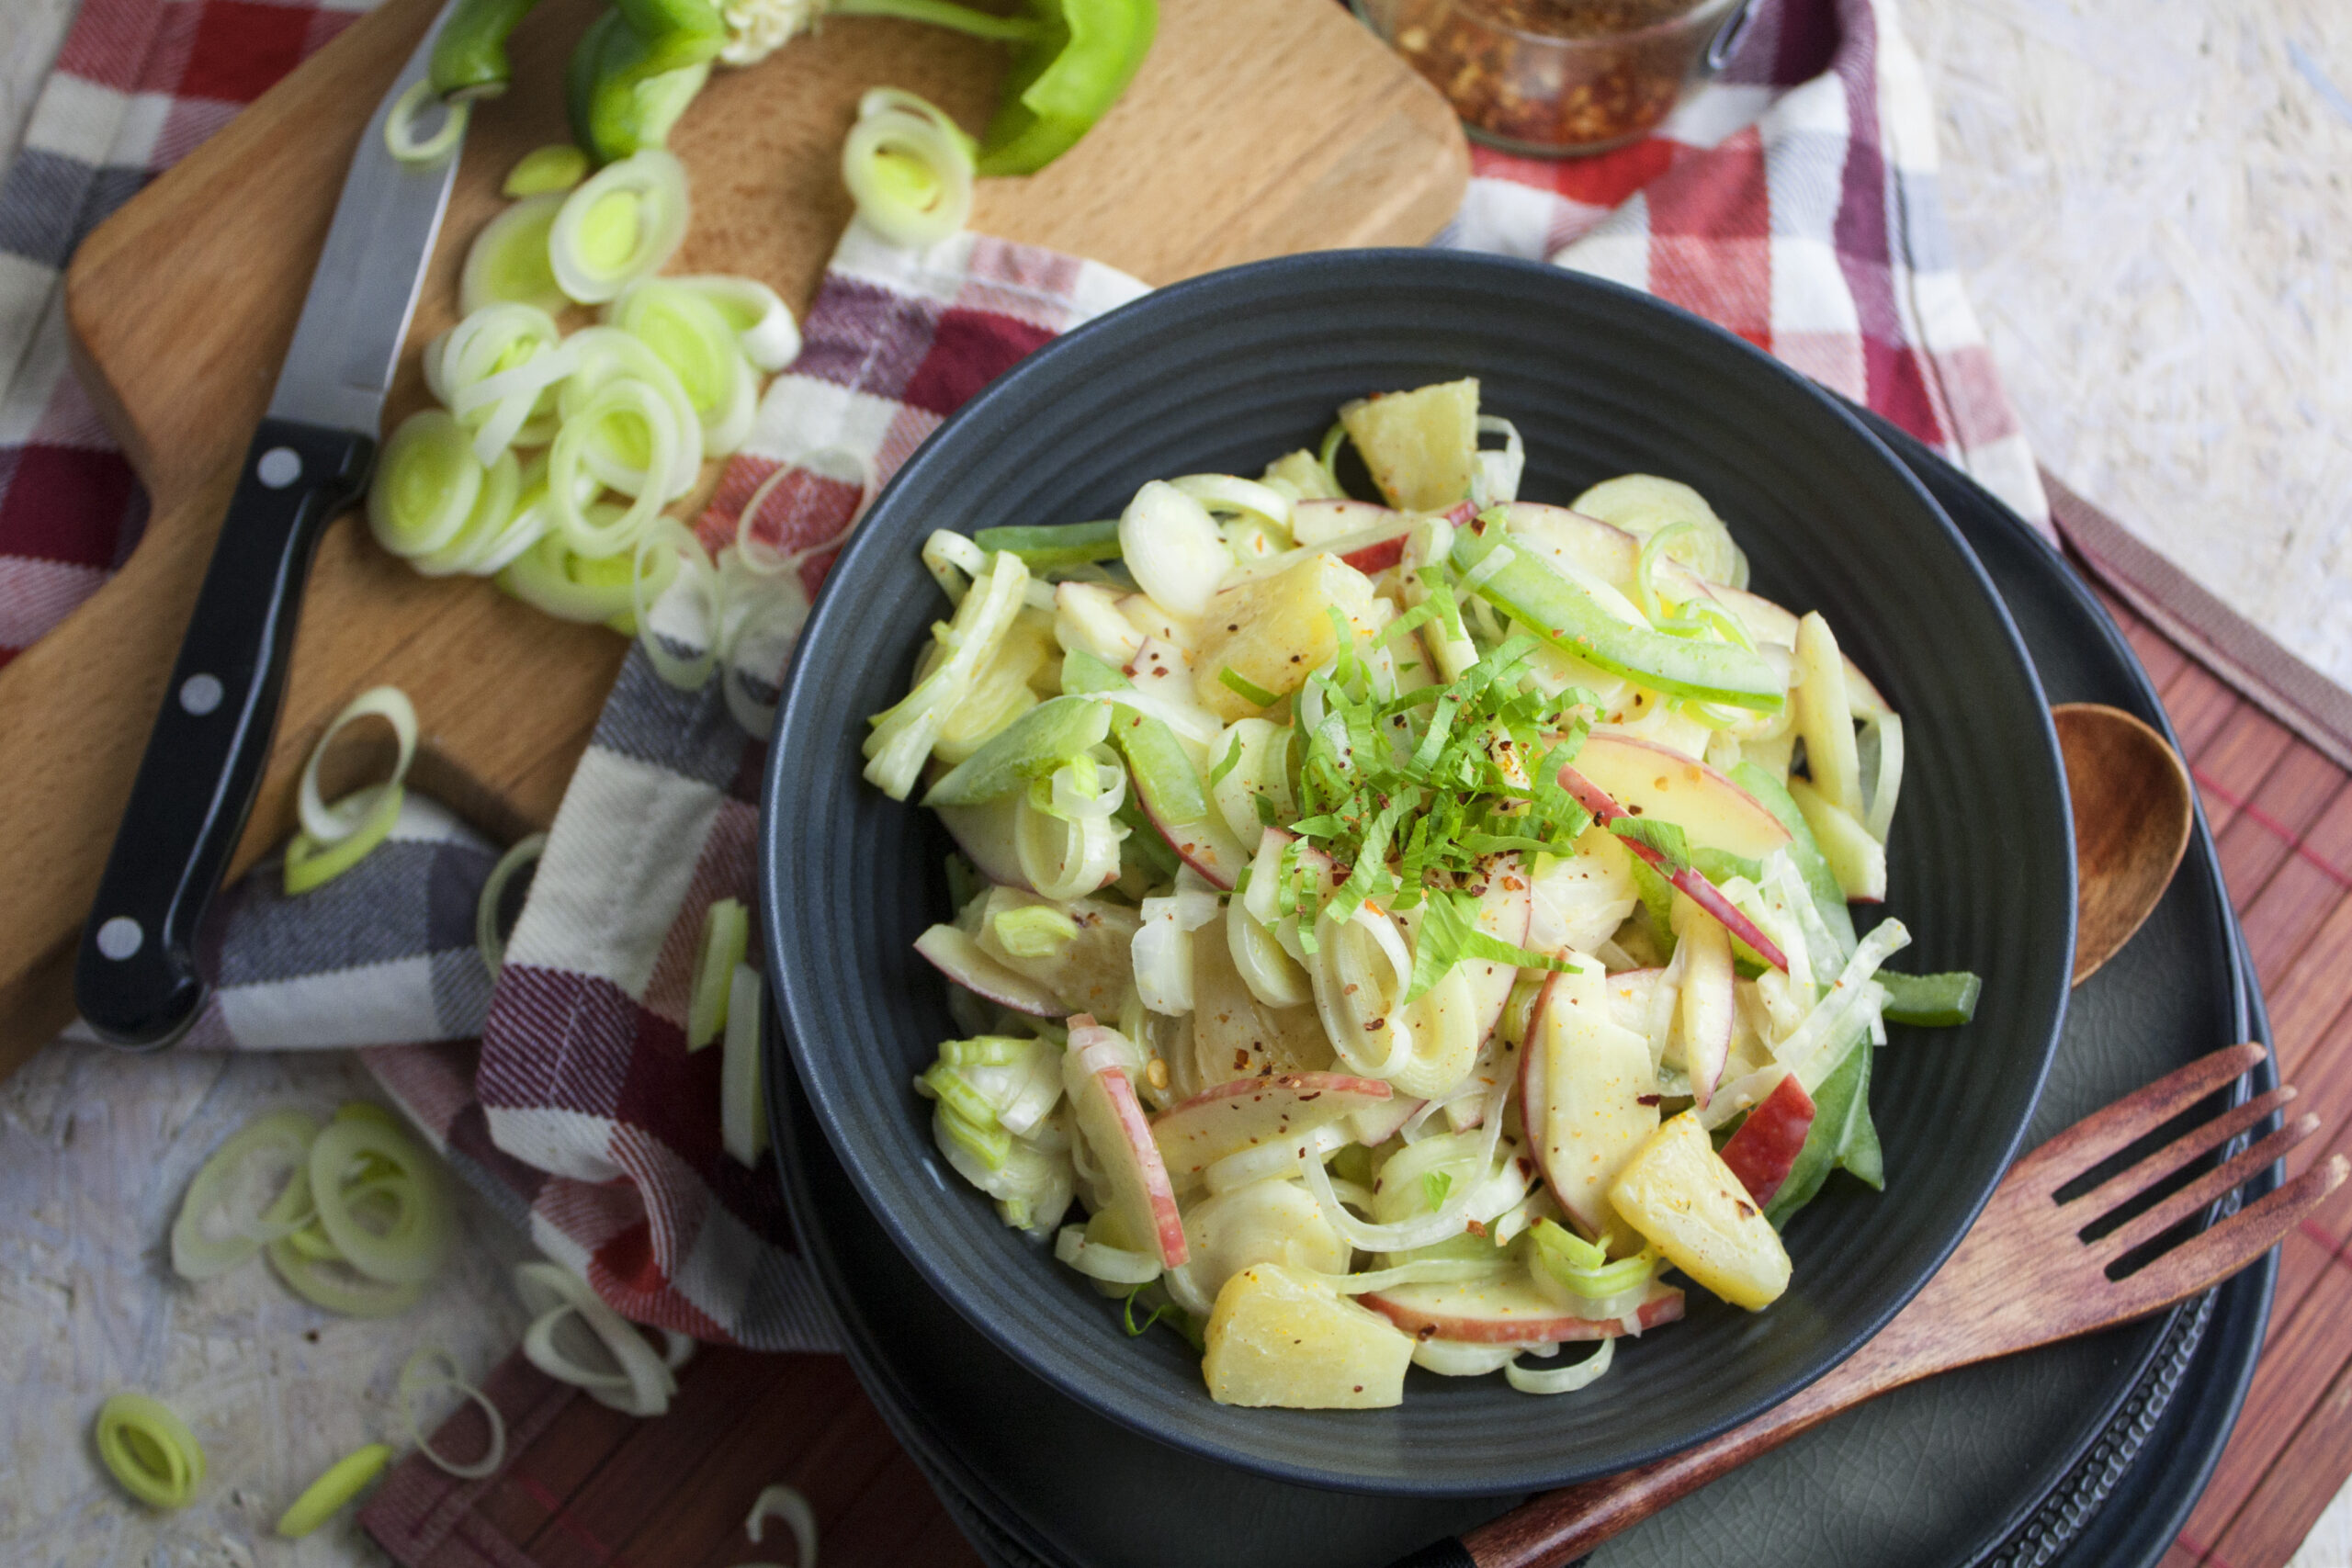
x=1074, y=59
x=1843, y=1135
x=1930, y=1001
x=1030, y=748
x=1564, y=615
x=635, y=71
x=1045, y=548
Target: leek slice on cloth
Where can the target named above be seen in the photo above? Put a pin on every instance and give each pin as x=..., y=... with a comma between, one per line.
x=334, y=838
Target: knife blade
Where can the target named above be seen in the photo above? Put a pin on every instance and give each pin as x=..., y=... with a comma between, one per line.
x=136, y=978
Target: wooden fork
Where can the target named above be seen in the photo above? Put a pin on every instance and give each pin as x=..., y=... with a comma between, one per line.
x=2024, y=1275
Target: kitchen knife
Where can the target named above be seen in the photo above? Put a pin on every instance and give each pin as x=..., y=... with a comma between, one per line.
x=136, y=979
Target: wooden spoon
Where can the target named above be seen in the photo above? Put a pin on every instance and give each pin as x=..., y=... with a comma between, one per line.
x=2130, y=800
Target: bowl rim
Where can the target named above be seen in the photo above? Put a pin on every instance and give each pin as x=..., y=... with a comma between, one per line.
x=2041, y=744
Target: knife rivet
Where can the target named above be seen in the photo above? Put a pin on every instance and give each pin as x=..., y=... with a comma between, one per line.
x=199, y=694
x=279, y=467
x=120, y=936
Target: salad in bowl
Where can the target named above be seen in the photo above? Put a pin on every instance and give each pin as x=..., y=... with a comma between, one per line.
x=1411, y=933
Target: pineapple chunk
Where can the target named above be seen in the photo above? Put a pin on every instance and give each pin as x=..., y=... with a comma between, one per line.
x=1278, y=1338
x=1422, y=445
x=1275, y=631
x=1679, y=1192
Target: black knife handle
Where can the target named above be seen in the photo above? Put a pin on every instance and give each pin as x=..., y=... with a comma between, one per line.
x=136, y=979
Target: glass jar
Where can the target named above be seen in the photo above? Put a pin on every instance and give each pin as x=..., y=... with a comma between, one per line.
x=1561, y=78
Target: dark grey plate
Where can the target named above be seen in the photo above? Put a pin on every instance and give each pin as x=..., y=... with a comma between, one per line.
x=2099, y=1472
x=1223, y=373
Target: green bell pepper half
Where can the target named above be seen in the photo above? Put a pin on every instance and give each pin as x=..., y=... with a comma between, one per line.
x=635, y=71
x=469, y=52
x=1074, y=57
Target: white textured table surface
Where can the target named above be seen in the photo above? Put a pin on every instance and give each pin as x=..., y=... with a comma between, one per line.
x=95, y=1150
x=2152, y=201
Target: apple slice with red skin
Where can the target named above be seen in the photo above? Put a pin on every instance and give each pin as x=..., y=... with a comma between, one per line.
x=1375, y=1125
x=1707, y=1007
x=1765, y=1149
x=1658, y=782
x=1587, y=1094
x=955, y=954
x=1110, y=1118
x=1247, y=1113
x=1701, y=892
x=1508, y=1311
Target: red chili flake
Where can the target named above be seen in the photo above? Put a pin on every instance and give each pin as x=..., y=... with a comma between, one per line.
x=1648, y=1099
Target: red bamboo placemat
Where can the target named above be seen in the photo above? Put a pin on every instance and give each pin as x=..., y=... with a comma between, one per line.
x=588, y=1488
x=2281, y=815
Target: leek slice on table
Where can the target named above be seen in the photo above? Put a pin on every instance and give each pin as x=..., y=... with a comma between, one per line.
x=358, y=1154
x=425, y=485
x=221, y=1220
x=400, y=137
x=763, y=326
x=337, y=1286
x=784, y=1503
x=621, y=225
x=430, y=1371
x=508, y=262
x=324, y=1497
x=641, y=1380
x=543, y=170
x=702, y=348
x=909, y=167
x=149, y=1448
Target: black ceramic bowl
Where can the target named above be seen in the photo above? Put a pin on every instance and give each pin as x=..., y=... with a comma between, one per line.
x=1223, y=374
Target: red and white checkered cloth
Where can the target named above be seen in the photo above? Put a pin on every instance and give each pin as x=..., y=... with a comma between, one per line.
x=1794, y=202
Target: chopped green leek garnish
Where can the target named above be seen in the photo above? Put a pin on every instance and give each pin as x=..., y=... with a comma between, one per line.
x=1435, y=1185
x=982, y=1050
x=1246, y=689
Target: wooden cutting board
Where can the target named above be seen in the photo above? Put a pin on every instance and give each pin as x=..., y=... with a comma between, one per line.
x=1257, y=127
